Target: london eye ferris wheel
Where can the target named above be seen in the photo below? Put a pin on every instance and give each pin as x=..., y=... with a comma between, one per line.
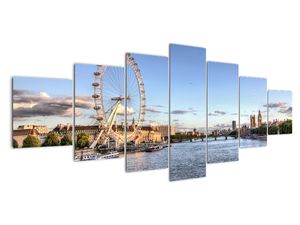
x=109, y=102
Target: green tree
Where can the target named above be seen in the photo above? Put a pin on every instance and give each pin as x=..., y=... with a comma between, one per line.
x=15, y=143
x=82, y=140
x=273, y=130
x=66, y=140
x=52, y=140
x=260, y=131
x=285, y=127
x=31, y=141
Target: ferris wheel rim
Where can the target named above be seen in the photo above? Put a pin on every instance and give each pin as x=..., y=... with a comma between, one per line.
x=142, y=102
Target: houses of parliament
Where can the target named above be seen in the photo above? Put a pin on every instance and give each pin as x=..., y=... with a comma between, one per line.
x=253, y=121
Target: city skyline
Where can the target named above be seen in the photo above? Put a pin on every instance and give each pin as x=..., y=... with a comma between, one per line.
x=280, y=105
x=41, y=101
x=253, y=98
x=187, y=67
x=188, y=109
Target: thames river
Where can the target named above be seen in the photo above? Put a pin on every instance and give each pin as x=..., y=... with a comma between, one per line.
x=252, y=143
x=139, y=161
x=222, y=150
x=187, y=160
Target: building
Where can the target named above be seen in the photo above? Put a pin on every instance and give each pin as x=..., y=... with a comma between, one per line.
x=41, y=129
x=163, y=129
x=20, y=134
x=62, y=129
x=259, y=119
x=91, y=131
x=233, y=125
x=252, y=121
x=244, y=131
x=150, y=134
x=147, y=134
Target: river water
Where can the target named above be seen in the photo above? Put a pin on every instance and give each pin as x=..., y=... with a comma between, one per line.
x=188, y=159
x=222, y=150
x=140, y=161
x=251, y=143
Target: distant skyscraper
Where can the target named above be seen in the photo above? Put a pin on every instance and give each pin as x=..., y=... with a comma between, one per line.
x=259, y=119
x=252, y=121
x=233, y=125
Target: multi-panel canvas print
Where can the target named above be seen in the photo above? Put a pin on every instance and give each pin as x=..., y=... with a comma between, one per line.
x=99, y=112
x=253, y=112
x=187, y=68
x=42, y=112
x=280, y=110
x=147, y=112
x=222, y=116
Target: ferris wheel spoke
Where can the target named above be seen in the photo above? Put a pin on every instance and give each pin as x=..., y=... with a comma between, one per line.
x=111, y=86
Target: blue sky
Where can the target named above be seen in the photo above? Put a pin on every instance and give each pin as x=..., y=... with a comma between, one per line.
x=222, y=94
x=41, y=101
x=83, y=78
x=154, y=70
x=280, y=104
x=187, y=80
x=253, y=97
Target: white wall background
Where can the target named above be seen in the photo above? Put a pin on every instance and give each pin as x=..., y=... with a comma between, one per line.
x=45, y=38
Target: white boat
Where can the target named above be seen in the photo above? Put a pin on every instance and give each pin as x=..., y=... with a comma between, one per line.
x=193, y=140
x=88, y=157
x=110, y=155
x=154, y=148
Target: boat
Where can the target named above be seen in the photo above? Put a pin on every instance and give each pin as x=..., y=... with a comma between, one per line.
x=87, y=157
x=154, y=148
x=110, y=155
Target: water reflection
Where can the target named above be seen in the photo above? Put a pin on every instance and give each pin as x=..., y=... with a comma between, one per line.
x=147, y=160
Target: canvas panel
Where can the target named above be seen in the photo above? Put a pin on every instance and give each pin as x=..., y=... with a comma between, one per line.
x=253, y=112
x=99, y=112
x=222, y=142
x=187, y=68
x=42, y=112
x=147, y=112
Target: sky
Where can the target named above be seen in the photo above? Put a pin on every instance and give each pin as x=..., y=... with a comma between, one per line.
x=113, y=86
x=154, y=71
x=280, y=104
x=222, y=95
x=253, y=97
x=187, y=84
x=41, y=101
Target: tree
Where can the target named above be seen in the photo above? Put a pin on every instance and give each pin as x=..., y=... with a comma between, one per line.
x=285, y=127
x=82, y=140
x=52, y=140
x=15, y=143
x=31, y=141
x=273, y=130
x=260, y=131
x=66, y=140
